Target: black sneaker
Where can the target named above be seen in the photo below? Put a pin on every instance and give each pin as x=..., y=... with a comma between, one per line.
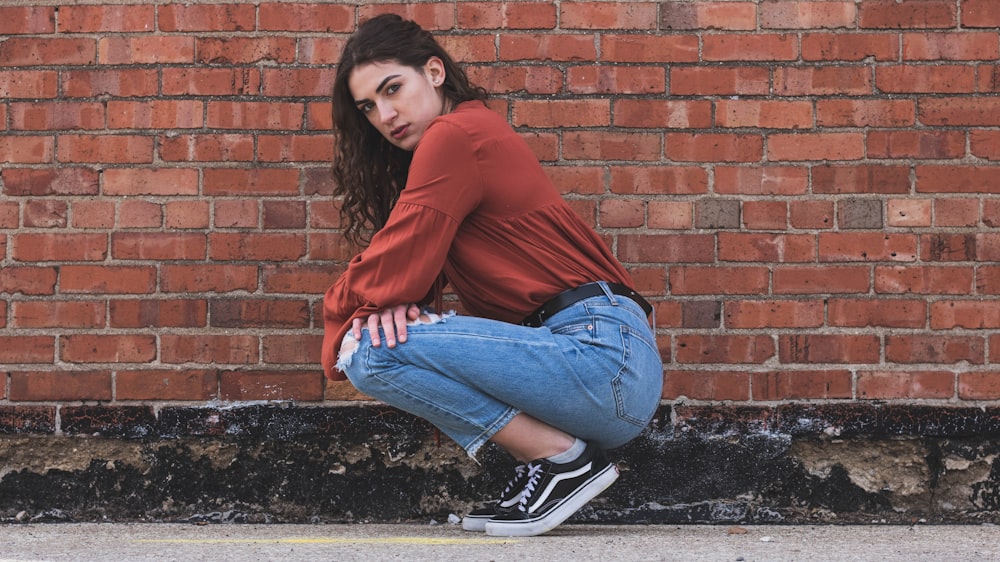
x=553, y=492
x=476, y=519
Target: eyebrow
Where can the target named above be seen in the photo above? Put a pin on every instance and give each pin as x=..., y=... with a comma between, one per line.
x=379, y=89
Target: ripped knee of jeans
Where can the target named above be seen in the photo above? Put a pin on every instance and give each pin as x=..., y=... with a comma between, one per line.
x=349, y=345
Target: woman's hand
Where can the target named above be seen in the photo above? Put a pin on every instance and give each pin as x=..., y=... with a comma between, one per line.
x=393, y=321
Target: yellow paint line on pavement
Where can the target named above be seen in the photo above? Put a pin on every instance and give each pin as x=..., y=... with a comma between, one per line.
x=433, y=541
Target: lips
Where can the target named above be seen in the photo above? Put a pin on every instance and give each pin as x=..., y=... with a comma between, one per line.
x=399, y=132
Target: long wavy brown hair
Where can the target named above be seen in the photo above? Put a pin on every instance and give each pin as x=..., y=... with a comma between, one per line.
x=369, y=171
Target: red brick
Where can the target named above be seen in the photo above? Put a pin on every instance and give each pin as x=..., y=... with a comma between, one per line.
x=53, y=116
x=765, y=215
x=255, y=115
x=807, y=15
x=987, y=247
x=306, y=17
x=957, y=179
x=935, y=145
x=27, y=349
x=271, y=385
x=545, y=47
x=319, y=116
x=27, y=20
x=26, y=149
x=670, y=215
x=913, y=14
x=562, y=113
x=750, y=314
x=210, y=349
x=122, y=149
x=295, y=148
x=965, y=45
x=151, y=181
x=666, y=248
x=297, y=82
x=211, y=81
x=663, y=113
x=829, y=348
x=139, y=214
x=106, y=18
x=706, y=385
x=985, y=144
x=616, y=80
x=333, y=246
x=935, y=348
x=980, y=13
x=974, y=315
x=991, y=213
x=514, y=15
x=118, y=82
x=259, y=313
x=60, y=385
x=216, y=278
x=764, y=114
x=756, y=47
x=724, y=349
x=45, y=214
x=58, y=314
x=719, y=81
x=730, y=16
x=888, y=385
x=603, y=15
x=979, y=385
x=298, y=349
x=431, y=16
x=929, y=79
x=167, y=385
x=909, y=212
x=952, y=112
x=28, y=280
x=510, y=78
x=237, y=214
x=296, y=278
x=9, y=219
x=649, y=49
x=948, y=247
x=875, y=313
x=818, y=280
x=256, y=181
x=227, y=17
x=187, y=214
x=47, y=51
x=841, y=179
x=941, y=280
x=761, y=180
x=470, y=49
x=802, y=385
x=59, y=247
x=234, y=147
x=815, y=146
x=675, y=180
x=988, y=79
x=320, y=50
x=36, y=84
x=158, y=49
x=865, y=113
x=106, y=279
x=604, y=145
x=158, y=246
x=86, y=348
x=245, y=50
x=157, y=114
x=847, y=47
x=770, y=248
x=866, y=246
x=179, y=313
x=253, y=246
x=957, y=212
x=622, y=213
x=714, y=147
x=822, y=81
x=688, y=280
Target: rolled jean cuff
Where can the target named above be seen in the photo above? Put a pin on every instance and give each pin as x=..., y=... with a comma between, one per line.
x=473, y=447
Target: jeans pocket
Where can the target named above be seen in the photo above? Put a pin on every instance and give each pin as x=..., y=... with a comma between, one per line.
x=638, y=385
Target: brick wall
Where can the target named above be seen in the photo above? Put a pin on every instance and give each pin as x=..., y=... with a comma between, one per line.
x=808, y=190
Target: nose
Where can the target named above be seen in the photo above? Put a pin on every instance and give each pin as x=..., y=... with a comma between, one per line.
x=386, y=112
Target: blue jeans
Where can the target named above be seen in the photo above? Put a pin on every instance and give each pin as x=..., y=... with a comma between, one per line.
x=592, y=370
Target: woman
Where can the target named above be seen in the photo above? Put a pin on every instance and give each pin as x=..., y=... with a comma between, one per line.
x=557, y=361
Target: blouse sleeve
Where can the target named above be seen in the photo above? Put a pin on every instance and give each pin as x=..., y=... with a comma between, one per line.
x=408, y=254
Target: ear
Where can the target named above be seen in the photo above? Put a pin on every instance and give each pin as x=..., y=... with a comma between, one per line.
x=434, y=70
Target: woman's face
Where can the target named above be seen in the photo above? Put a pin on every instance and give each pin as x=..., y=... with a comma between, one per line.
x=399, y=101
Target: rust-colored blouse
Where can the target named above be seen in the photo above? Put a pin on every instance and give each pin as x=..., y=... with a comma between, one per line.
x=478, y=208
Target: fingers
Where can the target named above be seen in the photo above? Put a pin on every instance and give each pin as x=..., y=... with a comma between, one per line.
x=393, y=322
x=373, y=320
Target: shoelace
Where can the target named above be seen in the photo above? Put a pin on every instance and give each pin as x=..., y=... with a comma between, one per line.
x=534, y=475
x=519, y=471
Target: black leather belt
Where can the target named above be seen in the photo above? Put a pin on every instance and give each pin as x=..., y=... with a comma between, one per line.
x=572, y=296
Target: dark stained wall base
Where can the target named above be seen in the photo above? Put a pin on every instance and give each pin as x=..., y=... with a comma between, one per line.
x=793, y=463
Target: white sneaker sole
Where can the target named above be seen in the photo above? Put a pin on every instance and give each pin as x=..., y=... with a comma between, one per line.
x=475, y=523
x=531, y=527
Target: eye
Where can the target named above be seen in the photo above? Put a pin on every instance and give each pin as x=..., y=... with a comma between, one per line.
x=366, y=107
x=392, y=89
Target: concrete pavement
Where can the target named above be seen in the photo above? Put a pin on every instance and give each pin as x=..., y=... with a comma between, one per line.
x=445, y=542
